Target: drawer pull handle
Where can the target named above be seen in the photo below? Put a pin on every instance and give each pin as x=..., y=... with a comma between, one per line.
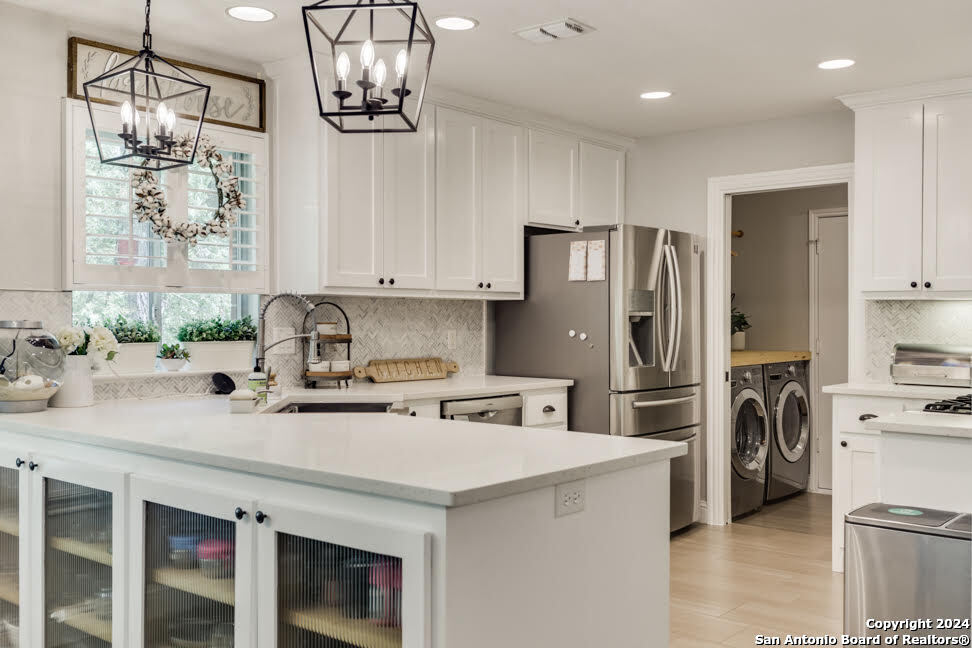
x=662, y=403
x=866, y=417
x=549, y=409
x=843, y=444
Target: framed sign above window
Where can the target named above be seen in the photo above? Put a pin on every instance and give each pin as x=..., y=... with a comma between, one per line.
x=235, y=100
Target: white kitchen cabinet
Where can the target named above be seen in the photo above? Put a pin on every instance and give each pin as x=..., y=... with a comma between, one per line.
x=325, y=578
x=76, y=530
x=553, y=180
x=887, y=232
x=192, y=556
x=856, y=464
x=14, y=547
x=602, y=185
x=947, y=218
x=480, y=204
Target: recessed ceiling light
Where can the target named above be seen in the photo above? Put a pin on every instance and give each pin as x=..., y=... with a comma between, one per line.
x=251, y=14
x=656, y=94
x=835, y=64
x=456, y=23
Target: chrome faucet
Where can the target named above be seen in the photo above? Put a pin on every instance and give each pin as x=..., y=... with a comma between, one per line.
x=262, y=346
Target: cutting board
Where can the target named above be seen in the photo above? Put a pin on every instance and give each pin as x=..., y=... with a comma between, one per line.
x=406, y=369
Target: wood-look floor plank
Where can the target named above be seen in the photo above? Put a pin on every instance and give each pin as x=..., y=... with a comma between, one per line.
x=768, y=573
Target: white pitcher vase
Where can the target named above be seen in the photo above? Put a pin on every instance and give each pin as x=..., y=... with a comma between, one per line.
x=77, y=387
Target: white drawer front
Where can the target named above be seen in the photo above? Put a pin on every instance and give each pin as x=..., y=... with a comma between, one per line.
x=544, y=409
x=849, y=410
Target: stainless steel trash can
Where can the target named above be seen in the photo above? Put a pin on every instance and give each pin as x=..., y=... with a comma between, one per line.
x=905, y=562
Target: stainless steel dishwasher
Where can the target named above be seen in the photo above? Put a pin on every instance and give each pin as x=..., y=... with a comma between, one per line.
x=906, y=563
x=499, y=410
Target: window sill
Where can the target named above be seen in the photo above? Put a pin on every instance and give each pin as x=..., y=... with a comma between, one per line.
x=185, y=373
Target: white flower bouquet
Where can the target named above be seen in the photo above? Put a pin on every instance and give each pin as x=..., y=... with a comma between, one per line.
x=97, y=342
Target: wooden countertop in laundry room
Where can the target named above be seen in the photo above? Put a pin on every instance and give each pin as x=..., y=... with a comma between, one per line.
x=750, y=358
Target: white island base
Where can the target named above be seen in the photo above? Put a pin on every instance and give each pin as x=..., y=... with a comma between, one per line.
x=425, y=533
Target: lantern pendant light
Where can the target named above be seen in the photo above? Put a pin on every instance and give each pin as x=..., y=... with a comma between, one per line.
x=341, y=33
x=148, y=95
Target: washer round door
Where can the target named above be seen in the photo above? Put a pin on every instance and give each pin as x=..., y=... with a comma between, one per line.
x=792, y=425
x=750, y=440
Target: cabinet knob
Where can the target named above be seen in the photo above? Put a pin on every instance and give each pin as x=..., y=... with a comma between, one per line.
x=489, y=285
x=480, y=284
x=576, y=223
x=239, y=513
x=20, y=462
x=927, y=284
x=381, y=281
x=33, y=466
x=413, y=413
x=391, y=282
x=843, y=444
x=260, y=517
x=866, y=417
x=914, y=284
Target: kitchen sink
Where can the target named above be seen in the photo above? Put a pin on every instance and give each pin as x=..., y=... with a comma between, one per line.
x=331, y=408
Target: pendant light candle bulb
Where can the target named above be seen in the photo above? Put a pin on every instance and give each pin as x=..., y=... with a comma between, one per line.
x=367, y=54
x=126, y=117
x=380, y=73
x=162, y=115
x=343, y=66
x=401, y=64
x=170, y=118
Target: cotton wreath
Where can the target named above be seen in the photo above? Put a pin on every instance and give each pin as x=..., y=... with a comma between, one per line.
x=150, y=203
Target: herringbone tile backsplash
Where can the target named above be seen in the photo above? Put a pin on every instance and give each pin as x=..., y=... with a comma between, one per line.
x=387, y=328
x=925, y=322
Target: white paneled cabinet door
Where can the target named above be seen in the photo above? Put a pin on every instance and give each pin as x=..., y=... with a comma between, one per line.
x=948, y=195
x=15, y=576
x=327, y=580
x=78, y=547
x=408, y=206
x=191, y=561
x=352, y=225
x=458, y=200
x=888, y=198
x=601, y=185
x=553, y=179
x=504, y=206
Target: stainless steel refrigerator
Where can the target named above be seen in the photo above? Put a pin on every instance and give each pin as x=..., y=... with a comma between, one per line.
x=630, y=340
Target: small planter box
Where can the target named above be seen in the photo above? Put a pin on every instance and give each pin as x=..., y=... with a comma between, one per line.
x=131, y=359
x=220, y=356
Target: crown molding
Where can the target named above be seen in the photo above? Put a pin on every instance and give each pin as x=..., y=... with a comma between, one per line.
x=915, y=92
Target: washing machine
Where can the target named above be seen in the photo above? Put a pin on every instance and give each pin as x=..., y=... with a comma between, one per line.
x=787, y=396
x=749, y=444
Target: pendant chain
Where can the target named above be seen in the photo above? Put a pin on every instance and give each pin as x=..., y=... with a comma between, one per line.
x=147, y=34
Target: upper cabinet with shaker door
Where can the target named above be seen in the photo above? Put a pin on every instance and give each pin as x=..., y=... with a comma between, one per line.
x=504, y=206
x=553, y=180
x=601, y=185
x=912, y=201
x=946, y=257
x=887, y=197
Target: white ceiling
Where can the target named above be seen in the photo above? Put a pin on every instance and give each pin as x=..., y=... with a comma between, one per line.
x=727, y=61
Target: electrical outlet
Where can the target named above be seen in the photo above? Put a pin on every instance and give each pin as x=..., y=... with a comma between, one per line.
x=451, y=339
x=570, y=498
x=279, y=333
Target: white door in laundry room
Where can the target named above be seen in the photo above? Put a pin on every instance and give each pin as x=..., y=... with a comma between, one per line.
x=829, y=365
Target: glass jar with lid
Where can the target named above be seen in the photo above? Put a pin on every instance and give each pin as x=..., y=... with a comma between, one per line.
x=31, y=366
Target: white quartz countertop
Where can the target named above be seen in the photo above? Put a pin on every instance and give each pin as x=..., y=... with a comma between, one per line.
x=434, y=461
x=896, y=391
x=928, y=423
x=362, y=391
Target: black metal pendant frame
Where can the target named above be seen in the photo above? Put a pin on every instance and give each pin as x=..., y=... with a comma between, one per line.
x=378, y=109
x=146, y=150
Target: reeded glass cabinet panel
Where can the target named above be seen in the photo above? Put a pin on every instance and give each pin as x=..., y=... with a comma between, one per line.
x=9, y=556
x=77, y=565
x=190, y=569
x=332, y=596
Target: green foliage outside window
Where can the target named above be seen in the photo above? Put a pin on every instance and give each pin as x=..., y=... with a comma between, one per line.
x=218, y=330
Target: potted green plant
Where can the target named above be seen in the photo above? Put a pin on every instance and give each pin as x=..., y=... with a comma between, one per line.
x=173, y=357
x=738, y=327
x=220, y=345
x=138, y=344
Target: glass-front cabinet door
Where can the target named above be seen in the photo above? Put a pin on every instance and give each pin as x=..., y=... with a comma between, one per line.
x=13, y=548
x=333, y=582
x=191, y=567
x=77, y=528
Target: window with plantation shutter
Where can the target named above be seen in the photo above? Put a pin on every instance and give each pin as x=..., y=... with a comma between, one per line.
x=108, y=249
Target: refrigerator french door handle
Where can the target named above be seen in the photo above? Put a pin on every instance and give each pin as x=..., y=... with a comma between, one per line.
x=668, y=365
x=680, y=311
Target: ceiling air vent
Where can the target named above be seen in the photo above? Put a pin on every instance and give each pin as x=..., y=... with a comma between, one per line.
x=559, y=30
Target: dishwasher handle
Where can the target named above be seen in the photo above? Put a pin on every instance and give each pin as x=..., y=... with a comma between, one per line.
x=487, y=406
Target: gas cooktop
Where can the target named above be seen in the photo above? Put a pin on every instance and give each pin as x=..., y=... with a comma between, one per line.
x=960, y=405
